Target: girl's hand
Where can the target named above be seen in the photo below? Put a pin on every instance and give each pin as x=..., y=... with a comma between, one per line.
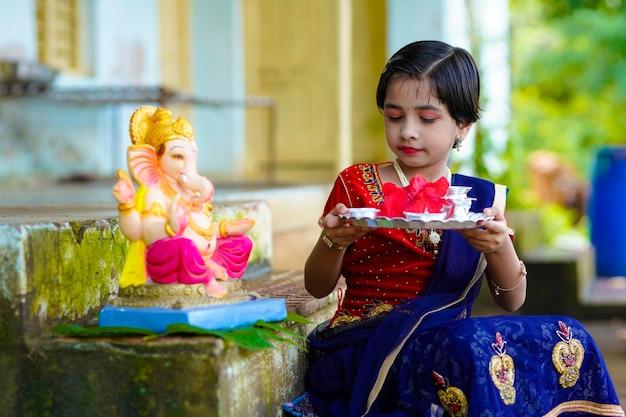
x=340, y=230
x=490, y=235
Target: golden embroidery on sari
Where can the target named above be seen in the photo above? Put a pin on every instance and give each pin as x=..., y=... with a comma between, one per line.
x=368, y=175
x=344, y=318
x=451, y=398
x=567, y=356
x=502, y=370
x=370, y=310
x=376, y=308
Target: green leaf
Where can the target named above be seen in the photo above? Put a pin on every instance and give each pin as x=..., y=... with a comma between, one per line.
x=272, y=326
x=247, y=337
x=271, y=335
x=296, y=318
x=78, y=331
x=254, y=337
x=187, y=328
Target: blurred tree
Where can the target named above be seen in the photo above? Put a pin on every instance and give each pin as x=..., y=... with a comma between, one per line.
x=569, y=83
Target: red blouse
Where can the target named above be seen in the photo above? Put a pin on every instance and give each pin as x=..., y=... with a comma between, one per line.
x=386, y=266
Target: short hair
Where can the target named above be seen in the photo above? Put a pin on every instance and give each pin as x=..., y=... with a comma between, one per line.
x=451, y=72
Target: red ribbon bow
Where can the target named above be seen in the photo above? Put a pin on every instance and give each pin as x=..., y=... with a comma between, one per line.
x=417, y=197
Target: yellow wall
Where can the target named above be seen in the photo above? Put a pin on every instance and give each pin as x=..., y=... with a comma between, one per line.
x=291, y=54
x=175, y=44
x=369, y=57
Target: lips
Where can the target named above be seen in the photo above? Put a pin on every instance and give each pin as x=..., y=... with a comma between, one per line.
x=408, y=150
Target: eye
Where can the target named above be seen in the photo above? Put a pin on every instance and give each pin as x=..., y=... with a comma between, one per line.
x=178, y=156
x=428, y=117
x=394, y=116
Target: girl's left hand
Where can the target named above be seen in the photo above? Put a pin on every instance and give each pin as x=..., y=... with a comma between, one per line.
x=490, y=235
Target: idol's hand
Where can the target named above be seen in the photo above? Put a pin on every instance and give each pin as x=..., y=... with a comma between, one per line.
x=123, y=191
x=490, y=235
x=178, y=216
x=339, y=229
x=235, y=227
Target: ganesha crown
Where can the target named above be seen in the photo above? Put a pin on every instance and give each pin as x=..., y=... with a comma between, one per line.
x=154, y=126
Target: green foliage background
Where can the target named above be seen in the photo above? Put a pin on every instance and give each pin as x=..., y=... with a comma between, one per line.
x=568, y=62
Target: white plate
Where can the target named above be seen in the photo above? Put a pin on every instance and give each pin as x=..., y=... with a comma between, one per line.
x=469, y=222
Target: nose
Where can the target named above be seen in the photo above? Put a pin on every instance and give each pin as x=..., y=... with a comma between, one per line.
x=410, y=129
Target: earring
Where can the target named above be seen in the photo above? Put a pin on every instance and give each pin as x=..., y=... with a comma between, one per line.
x=457, y=143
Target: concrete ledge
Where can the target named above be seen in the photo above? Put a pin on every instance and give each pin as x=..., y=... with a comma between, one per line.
x=558, y=281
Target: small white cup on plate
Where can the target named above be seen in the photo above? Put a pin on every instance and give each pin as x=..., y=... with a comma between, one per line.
x=363, y=212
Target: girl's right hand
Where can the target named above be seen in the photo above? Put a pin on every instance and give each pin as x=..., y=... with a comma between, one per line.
x=339, y=229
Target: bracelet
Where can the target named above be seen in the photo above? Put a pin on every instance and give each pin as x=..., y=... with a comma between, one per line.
x=168, y=229
x=126, y=207
x=329, y=242
x=497, y=289
x=223, y=229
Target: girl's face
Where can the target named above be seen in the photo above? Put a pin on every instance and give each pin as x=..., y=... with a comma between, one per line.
x=419, y=128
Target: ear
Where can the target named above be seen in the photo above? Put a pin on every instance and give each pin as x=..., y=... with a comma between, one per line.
x=143, y=164
x=464, y=128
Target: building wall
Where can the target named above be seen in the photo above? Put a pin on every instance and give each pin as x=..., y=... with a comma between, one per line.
x=291, y=51
x=218, y=72
x=295, y=52
x=41, y=139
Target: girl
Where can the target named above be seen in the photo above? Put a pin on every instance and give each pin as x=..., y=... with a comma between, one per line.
x=401, y=342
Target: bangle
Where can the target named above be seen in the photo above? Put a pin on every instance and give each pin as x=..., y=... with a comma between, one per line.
x=497, y=289
x=168, y=229
x=329, y=242
x=126, y=207
x=223, y=228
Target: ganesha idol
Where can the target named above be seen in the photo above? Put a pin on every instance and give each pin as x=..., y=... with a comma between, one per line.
x=168, y=218
x=181, y=266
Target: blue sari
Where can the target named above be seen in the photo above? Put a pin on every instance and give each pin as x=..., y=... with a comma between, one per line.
x=427, y=358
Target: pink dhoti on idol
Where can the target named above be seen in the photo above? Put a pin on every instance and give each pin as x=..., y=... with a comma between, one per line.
x=177, y=260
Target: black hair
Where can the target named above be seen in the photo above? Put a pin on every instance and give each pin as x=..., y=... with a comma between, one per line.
x=451, y=72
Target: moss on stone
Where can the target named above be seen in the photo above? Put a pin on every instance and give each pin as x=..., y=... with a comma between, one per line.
x=72, y=268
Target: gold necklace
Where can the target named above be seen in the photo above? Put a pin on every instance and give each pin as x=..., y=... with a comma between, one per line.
x=404, y=181
x=206, y=233
x=429, y=239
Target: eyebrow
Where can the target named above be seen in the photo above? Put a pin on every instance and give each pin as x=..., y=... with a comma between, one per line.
x=174, y=147
x=425, y=107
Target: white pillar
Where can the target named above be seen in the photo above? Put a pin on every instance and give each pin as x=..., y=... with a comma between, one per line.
x=344, y=151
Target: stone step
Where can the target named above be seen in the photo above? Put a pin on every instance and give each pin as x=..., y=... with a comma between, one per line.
x=174, y=376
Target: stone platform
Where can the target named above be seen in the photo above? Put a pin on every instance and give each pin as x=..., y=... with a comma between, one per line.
x=61, y=264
